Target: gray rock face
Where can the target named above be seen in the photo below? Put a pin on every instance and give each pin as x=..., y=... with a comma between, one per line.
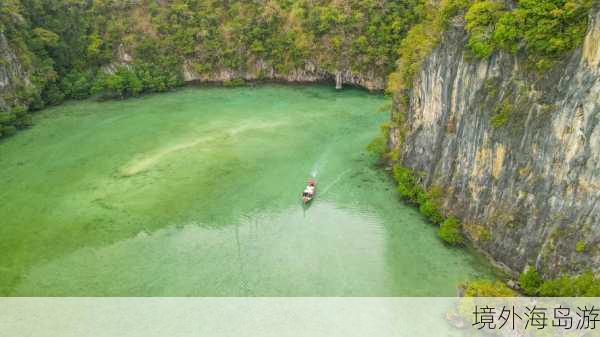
x=260, y=70
x=311, y=73
x=527, y=189
x=121, y=59
x=12, y=73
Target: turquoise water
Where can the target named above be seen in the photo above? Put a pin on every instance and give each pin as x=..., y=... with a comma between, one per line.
x=196, y=193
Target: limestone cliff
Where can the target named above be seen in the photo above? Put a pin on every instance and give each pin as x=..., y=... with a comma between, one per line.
x=527, y=188
x=311, y=73
x=260, y=71
x=12, y=73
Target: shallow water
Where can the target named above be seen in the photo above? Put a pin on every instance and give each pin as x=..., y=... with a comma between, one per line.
x=196, y=192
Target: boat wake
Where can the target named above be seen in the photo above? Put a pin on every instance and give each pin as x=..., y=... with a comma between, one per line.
x=337, y=180
x=149, y=161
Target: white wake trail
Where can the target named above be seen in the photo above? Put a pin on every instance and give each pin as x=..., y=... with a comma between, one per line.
x=337, y=180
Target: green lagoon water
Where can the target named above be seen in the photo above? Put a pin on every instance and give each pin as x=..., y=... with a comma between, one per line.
x=196, y=193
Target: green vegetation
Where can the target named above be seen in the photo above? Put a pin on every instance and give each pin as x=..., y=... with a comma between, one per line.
x=585, y=285
x=133, y=81
x=532, y=284
x=450, y=231
x=501, y=114
x=379, y=145
x=545, y=30
x=74, y=49
x=116, y=49
x=530, y=281
x=481, y=17
x=410, y=190
x=566, y=286
x=420, y=41
x=408, y=185
x=430, y=205
x=580, y=246
x=542, y=30
x=487, y=288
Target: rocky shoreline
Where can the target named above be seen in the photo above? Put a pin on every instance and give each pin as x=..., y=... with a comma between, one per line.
x=527, y=191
